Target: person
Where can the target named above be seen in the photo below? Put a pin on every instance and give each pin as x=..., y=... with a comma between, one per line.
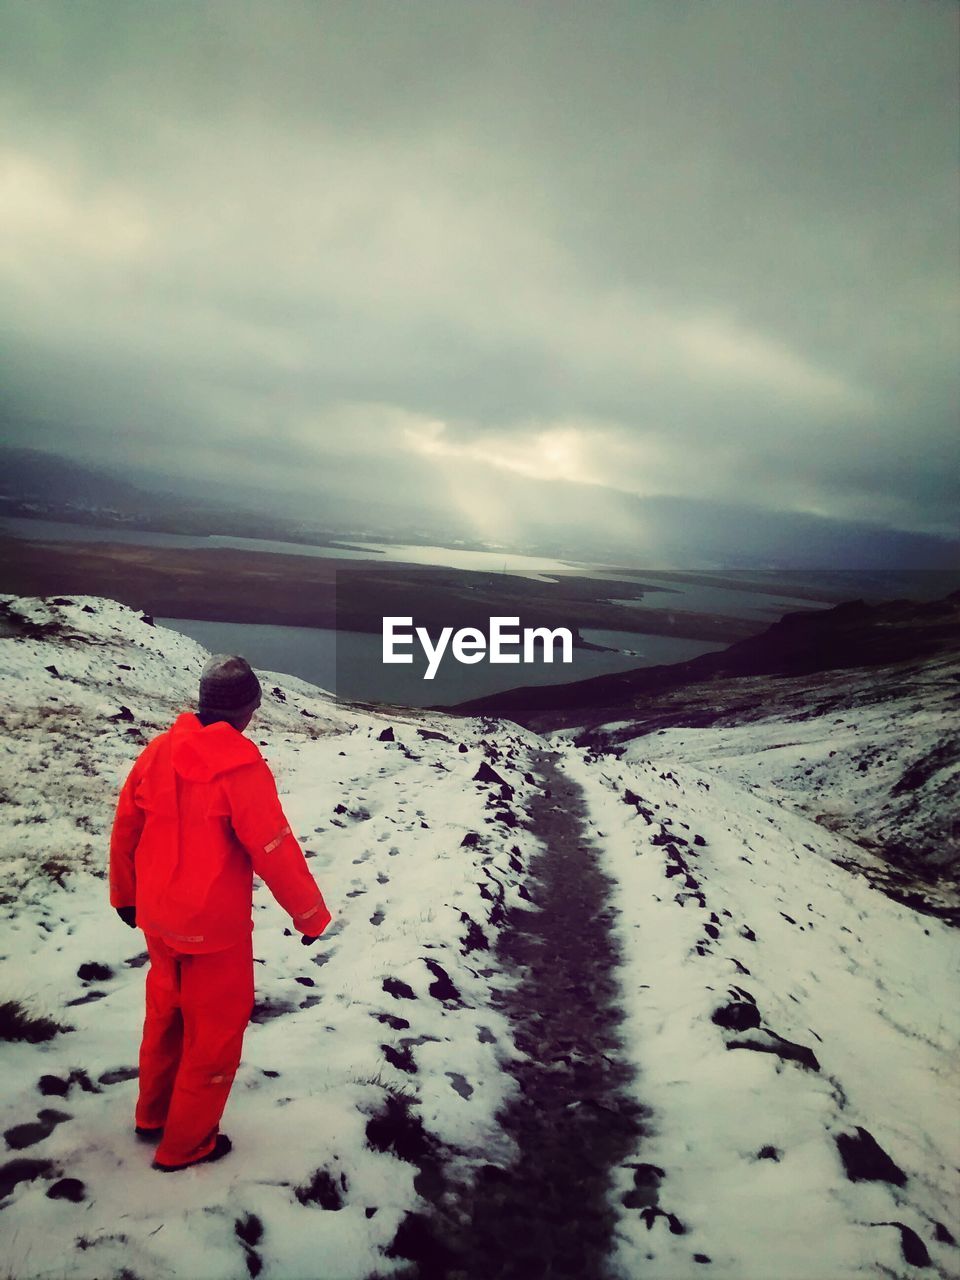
x=197, y=816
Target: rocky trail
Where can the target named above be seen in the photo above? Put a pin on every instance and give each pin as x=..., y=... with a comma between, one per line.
x=547, y=1213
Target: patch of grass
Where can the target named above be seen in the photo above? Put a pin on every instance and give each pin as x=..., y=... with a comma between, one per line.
x=55, y=869
x=18, y=1023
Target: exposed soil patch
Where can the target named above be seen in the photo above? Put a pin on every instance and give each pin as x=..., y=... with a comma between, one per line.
x=548, y=1213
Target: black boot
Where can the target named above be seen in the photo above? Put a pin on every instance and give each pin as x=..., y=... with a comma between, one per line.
x=220, y=1149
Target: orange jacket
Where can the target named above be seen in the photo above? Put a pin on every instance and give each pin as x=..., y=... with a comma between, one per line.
x=197, y=816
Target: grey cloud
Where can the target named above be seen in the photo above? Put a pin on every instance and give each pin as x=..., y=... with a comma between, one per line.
x=723, y=232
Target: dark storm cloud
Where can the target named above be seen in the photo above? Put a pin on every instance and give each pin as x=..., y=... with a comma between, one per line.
x=675, y=248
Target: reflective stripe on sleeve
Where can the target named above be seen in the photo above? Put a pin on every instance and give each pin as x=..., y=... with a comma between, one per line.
x=272, y=844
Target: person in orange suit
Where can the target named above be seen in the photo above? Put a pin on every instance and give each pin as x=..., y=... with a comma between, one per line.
x=197, y=816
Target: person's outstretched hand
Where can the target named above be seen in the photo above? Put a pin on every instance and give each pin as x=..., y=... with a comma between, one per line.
x=128, y=915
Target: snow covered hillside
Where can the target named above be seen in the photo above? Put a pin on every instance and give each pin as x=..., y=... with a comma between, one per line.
x=792, y=1030
x=392, y=1002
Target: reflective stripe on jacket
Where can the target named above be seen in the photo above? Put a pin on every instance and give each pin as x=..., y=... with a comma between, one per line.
x=197, y=816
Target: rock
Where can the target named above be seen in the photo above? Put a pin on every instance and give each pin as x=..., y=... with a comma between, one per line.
x=469, y=840
x=118, y=1074
x=89, y=998
x=739, y=1015
x=399, y=989
x=147, y=618
x=764, y=1041
x=864, y=1160
x=912, y=1247
x=67, y=1189
x=93, y=971
x=53, y=1086
x=442, y=988
x=391, y=1019
x=386, y=735
x=486, y=774
x=460, y=1083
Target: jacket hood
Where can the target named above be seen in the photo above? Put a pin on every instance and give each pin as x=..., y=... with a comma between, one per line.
x=201, y=752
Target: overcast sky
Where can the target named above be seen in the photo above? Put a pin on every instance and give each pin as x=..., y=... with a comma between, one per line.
x=701, y=249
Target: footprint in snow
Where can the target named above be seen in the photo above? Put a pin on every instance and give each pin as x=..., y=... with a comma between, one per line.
x=34, y=1131
x=460, y=1083
x=23, y=1169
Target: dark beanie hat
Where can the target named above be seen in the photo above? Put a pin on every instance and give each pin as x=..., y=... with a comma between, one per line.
x=229, y=684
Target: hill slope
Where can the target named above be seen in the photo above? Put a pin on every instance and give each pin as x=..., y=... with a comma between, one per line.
x=780, y=1032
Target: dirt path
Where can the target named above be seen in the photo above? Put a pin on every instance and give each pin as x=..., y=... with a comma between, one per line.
x=547, y=1214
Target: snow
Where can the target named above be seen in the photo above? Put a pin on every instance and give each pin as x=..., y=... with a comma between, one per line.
x=764, y=907
x=395, y=852
x=868, y=985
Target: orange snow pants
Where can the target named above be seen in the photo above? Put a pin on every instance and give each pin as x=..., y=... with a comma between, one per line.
x=197, y=1009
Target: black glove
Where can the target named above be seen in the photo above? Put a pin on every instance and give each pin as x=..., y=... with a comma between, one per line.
x=306, y=940
x=128, y=915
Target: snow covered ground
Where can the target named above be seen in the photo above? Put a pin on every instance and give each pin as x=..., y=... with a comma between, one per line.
x=788, y=1022
x=393, y=1000
x=838, y=1009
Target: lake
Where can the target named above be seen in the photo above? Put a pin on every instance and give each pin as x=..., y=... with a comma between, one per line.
x=349, y=663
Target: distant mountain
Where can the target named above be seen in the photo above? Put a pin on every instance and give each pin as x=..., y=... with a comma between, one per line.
x=852, y=634
x=399, y=497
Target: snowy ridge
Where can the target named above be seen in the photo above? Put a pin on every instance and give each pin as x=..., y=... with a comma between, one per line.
x=393, y=1000
x=836, y=1008
x=871, y=753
